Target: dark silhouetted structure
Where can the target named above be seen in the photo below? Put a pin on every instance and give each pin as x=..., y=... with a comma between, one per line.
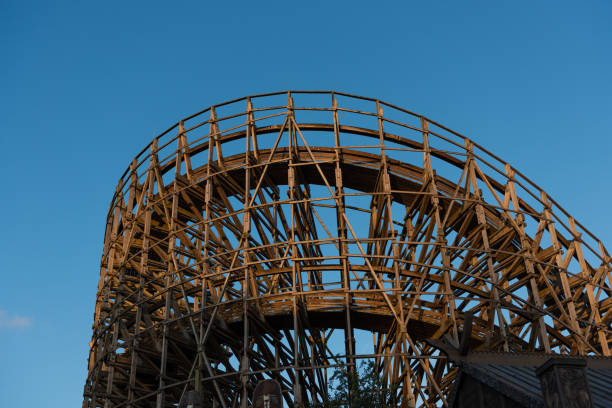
x=268, y=394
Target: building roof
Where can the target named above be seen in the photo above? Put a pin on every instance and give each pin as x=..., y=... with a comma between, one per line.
x=519, y=382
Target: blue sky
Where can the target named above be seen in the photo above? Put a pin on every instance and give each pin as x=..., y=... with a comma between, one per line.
x=84, y=86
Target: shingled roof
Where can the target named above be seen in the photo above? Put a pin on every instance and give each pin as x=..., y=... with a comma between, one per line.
x=525, y=379
x=520, y=383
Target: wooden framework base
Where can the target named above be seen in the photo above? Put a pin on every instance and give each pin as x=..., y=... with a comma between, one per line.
x=282, y=235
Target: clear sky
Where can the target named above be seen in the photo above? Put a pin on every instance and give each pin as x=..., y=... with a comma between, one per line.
x=84, y=86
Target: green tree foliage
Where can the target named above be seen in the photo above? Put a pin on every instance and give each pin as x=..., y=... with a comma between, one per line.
x=362, y=388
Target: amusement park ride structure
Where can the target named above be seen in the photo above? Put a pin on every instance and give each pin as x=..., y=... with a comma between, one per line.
x=259, y=238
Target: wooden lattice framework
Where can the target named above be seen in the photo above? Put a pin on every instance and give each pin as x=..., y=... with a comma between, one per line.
x=281, y=235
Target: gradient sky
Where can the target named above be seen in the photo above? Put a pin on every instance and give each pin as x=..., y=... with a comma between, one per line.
x=84, y=86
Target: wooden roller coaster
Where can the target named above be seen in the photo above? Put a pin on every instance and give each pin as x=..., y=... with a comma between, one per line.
x=291, y=234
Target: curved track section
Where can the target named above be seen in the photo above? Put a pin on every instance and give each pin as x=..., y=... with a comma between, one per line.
x=288, y=234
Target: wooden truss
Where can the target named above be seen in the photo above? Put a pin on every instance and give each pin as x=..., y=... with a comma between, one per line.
x=286, y=235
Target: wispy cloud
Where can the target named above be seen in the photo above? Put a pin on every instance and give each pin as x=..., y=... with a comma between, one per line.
x=13, y=321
